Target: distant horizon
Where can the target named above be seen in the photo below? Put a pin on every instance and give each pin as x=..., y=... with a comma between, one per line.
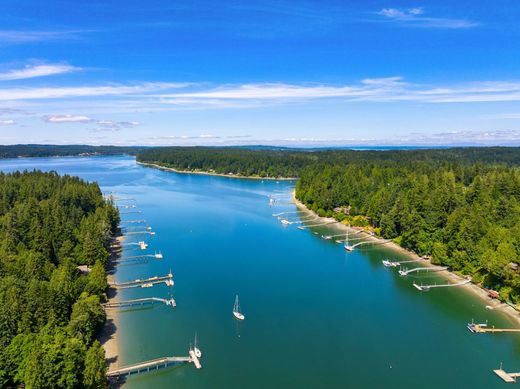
x=283, y=146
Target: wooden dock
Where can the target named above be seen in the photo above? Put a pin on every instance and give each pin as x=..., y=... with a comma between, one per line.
x=423, y=288
x=426, y=269
x=480, y=329
x=139, y=302
x=168, y=280
x=154, y=364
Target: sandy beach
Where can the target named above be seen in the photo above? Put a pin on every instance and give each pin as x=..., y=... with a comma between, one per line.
x=109, y=337
x=448, y=275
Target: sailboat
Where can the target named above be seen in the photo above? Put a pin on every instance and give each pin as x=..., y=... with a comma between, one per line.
x=196, y=349
x=347, y=246
x=236, y=310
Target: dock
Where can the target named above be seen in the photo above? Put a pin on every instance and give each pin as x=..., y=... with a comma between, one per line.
x=139, y=258
x=483, y=328
x=133, y=221
x=138, y=302
x=428, y=287
x=418, y=269
x=168, y=280
x=506, y=377
x=154, y=364
x=317, y=225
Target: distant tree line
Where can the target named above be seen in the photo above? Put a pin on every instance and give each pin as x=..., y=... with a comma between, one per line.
x=15, y=151
x=460, y=206
x=265, y=162
x=49, y=311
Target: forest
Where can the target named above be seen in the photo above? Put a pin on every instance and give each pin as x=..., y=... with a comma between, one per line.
x=254, y=162
x=459, y=206
x=50, y=312
x=15, y=151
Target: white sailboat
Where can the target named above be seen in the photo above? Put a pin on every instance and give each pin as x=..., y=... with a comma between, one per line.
x=236, y=310
x=196, y=349
x=347, y=246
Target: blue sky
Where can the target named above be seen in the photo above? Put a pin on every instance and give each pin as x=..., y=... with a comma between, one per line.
x=249, y=72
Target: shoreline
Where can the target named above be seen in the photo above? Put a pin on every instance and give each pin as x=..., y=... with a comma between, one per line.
x=206, y=173
x=110, y=339
x=474, y=289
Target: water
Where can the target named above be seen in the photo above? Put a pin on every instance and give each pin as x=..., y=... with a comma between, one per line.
x=316, y=316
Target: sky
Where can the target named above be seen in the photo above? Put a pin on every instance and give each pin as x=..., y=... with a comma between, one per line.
x=292, y=73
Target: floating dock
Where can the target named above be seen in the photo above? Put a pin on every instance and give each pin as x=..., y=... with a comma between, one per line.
x=506, y=377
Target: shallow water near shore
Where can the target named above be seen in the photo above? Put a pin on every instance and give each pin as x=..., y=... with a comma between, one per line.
x=316, y=315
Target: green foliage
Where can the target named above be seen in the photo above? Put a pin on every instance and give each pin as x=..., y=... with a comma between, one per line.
x=49, y=312
x=462, y=214
x=14, y=151
x=94, y=376
x=283, y=162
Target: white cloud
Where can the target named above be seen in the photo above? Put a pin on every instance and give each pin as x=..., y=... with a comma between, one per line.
x=37, y=71
x=12, y=94
x=25, y=36
x=67, y=119
x=375, y=90
x=7, y=122
x=414, y=17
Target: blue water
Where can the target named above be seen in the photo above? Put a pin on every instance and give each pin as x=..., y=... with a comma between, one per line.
x=316, y=316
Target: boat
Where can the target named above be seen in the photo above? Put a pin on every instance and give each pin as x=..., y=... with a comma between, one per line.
x=236, y=310
x=389, y=263
x=271, y=201
x=347, y=246
x=326, y=237
x=285, y=222
x=196, y=349
x=473, y=327
x=147, y=285
x=143, y=245
x=301, y=227
x=158, y=255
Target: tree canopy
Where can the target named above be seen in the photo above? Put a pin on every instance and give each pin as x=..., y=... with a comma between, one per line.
x=49, y=312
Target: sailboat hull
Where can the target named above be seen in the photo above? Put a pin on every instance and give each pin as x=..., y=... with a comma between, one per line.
x=238, y=315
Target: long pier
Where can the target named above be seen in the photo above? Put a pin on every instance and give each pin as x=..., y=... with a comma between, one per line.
x=317, y=225
x=154, y=364
x=483, y=328
x=140, y=233
x=168, y=280
x=428, y=287
x=418, y=269
x=133, y=221
x=136, y=302
x=388, y=263
x=139, y=258
x=285, y=213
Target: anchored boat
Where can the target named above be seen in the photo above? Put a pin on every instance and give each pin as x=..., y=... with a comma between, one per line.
x=236, y=310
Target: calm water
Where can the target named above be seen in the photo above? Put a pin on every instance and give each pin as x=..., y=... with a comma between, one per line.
x=316, y=316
